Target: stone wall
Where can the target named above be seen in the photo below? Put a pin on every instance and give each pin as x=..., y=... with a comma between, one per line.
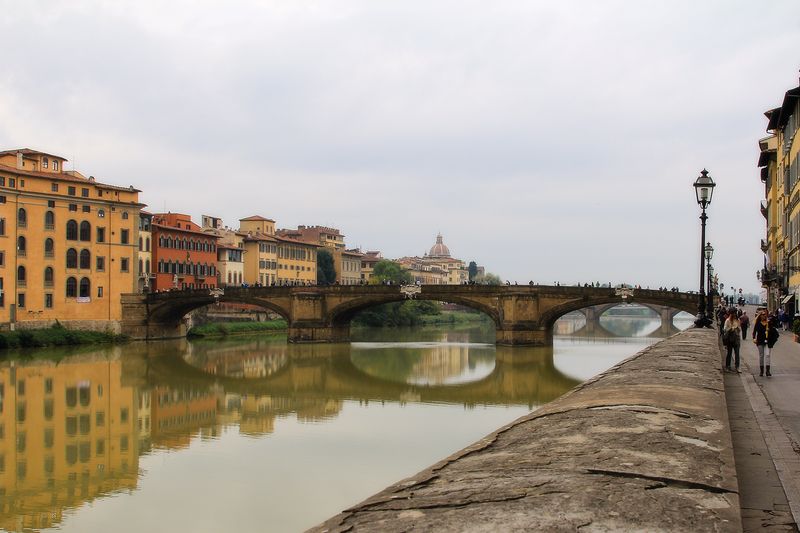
x=106, y=326
x=644, y=446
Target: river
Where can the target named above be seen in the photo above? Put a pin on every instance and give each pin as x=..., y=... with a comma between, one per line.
x=253, y=434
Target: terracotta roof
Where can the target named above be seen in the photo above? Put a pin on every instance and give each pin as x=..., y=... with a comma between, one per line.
x=28, y=151
x=184, y=230
x=257, y=218
x=260, y=237
x=63, y=176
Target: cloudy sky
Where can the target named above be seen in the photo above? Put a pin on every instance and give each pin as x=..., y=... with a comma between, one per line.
x=545, y=140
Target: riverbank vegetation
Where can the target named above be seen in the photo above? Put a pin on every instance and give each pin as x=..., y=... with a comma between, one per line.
x=56, y=335
x=223, y=329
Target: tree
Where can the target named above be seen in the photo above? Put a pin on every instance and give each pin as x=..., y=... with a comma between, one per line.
x=473, y=270
x=488, y=279
x=385, y=270
x=326, y=273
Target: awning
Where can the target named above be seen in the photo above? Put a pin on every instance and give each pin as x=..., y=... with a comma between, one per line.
x=787, y=298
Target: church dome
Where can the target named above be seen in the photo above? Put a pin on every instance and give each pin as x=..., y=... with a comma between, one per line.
x=439, y=249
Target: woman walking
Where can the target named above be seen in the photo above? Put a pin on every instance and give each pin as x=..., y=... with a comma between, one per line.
x=732, y=337
x=765, y=335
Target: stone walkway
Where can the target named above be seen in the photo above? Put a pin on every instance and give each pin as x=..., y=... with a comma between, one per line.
x=765, y=427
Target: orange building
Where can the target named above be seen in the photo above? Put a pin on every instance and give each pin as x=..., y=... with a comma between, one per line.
x=184, y=257
x=67, y=244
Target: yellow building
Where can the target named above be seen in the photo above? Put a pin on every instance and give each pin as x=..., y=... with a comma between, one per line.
x=144, y=271
x=68, y=436
x=368, y=261
x=297, y=262
x=68, y=244
x=347, y=264
x=781, y=207
x=261, y=250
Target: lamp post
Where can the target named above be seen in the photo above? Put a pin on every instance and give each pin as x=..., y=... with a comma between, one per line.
x=711, y=292
x=704, y=190
x=708, y=251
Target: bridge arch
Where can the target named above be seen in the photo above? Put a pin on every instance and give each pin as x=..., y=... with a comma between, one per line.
x=593, y=315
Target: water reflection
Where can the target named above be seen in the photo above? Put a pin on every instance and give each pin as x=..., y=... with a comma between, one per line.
x=80, y=426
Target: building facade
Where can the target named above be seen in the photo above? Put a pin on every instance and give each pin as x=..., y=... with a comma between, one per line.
x=230, y=252
x=67, y=244
x=780, y=168
x=183, y=256
x=144, y=270
x=261, y=250
x=436, y=267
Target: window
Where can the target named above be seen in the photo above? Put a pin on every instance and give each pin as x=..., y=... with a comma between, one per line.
x=48, y=277
x=85, y=192
x=72, y=230
x=100, y=419
x=21, y=298
x=99, y=292
x=71, y=453
x=123, y=236
x=123, y=264
x=84, y=424
x=49, y=438
x=101, y=234
x=147, y=244
x=100, y=263
x=49, y=220
x=2, y=226
x=86, y=208
x=72, y=292
x=21, y=387
x=21, y=275
x=49, y=247
x=73, y=207
x=124, y=215
x=21, y=246
x=48, y=409
x=85, y=259
x=72, y=258
x=55, y=165
x=48, y=300
x=100, y=447
x=48, y=386
x=2, y=199
x=123, y=415
x=71, y=190
x=22, y=217
x=51, y=203
x=85, y=288
x=45, y=162
x=54, y=186
x=85, y=395
x=86, y=231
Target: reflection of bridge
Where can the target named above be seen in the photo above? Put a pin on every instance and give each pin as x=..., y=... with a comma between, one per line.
x=594, y=327
x=524, y=376
x=522, y=314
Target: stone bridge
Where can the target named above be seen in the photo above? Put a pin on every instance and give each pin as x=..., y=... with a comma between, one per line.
x=523, y=315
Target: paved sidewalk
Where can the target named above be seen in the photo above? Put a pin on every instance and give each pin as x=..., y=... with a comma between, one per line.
x=766, y=436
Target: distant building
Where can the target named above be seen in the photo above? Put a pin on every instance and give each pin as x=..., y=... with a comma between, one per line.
x=261, y=250
x=184, y=256
x=144, y=270
x=368, y=261
x=436, y=267
x=230, y=252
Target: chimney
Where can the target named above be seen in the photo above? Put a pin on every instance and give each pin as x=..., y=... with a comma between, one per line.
x=19, y=161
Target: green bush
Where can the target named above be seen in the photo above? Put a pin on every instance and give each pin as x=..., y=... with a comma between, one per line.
x=56, y=335
x=222, y=329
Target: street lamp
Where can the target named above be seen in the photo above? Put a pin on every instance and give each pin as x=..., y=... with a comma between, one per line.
x=708, y=251
x=704, y=190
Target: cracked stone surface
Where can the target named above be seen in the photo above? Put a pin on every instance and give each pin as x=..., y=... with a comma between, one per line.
x=644, y=446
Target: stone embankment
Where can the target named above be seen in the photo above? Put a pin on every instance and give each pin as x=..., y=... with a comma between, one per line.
x=645, y=446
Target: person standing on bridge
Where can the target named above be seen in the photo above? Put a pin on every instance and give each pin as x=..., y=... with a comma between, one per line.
x=731, y=336
x=745, y=321
x=765, y=335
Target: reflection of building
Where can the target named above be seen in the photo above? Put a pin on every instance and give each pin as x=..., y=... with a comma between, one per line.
x=67, y=435
x=67, y=243
x=176, y=413
x=440, y=364
x=436, y=267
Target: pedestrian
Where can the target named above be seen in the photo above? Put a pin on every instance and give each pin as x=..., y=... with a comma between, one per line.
x=744, y=320
x=765, y=335
x=732, y=331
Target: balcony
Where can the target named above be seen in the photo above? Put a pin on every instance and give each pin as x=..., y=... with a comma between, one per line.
x=764, y=245
x=764, y=208
x=768, y=275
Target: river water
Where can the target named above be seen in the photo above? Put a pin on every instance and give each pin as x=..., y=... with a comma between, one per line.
x=253, y=434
